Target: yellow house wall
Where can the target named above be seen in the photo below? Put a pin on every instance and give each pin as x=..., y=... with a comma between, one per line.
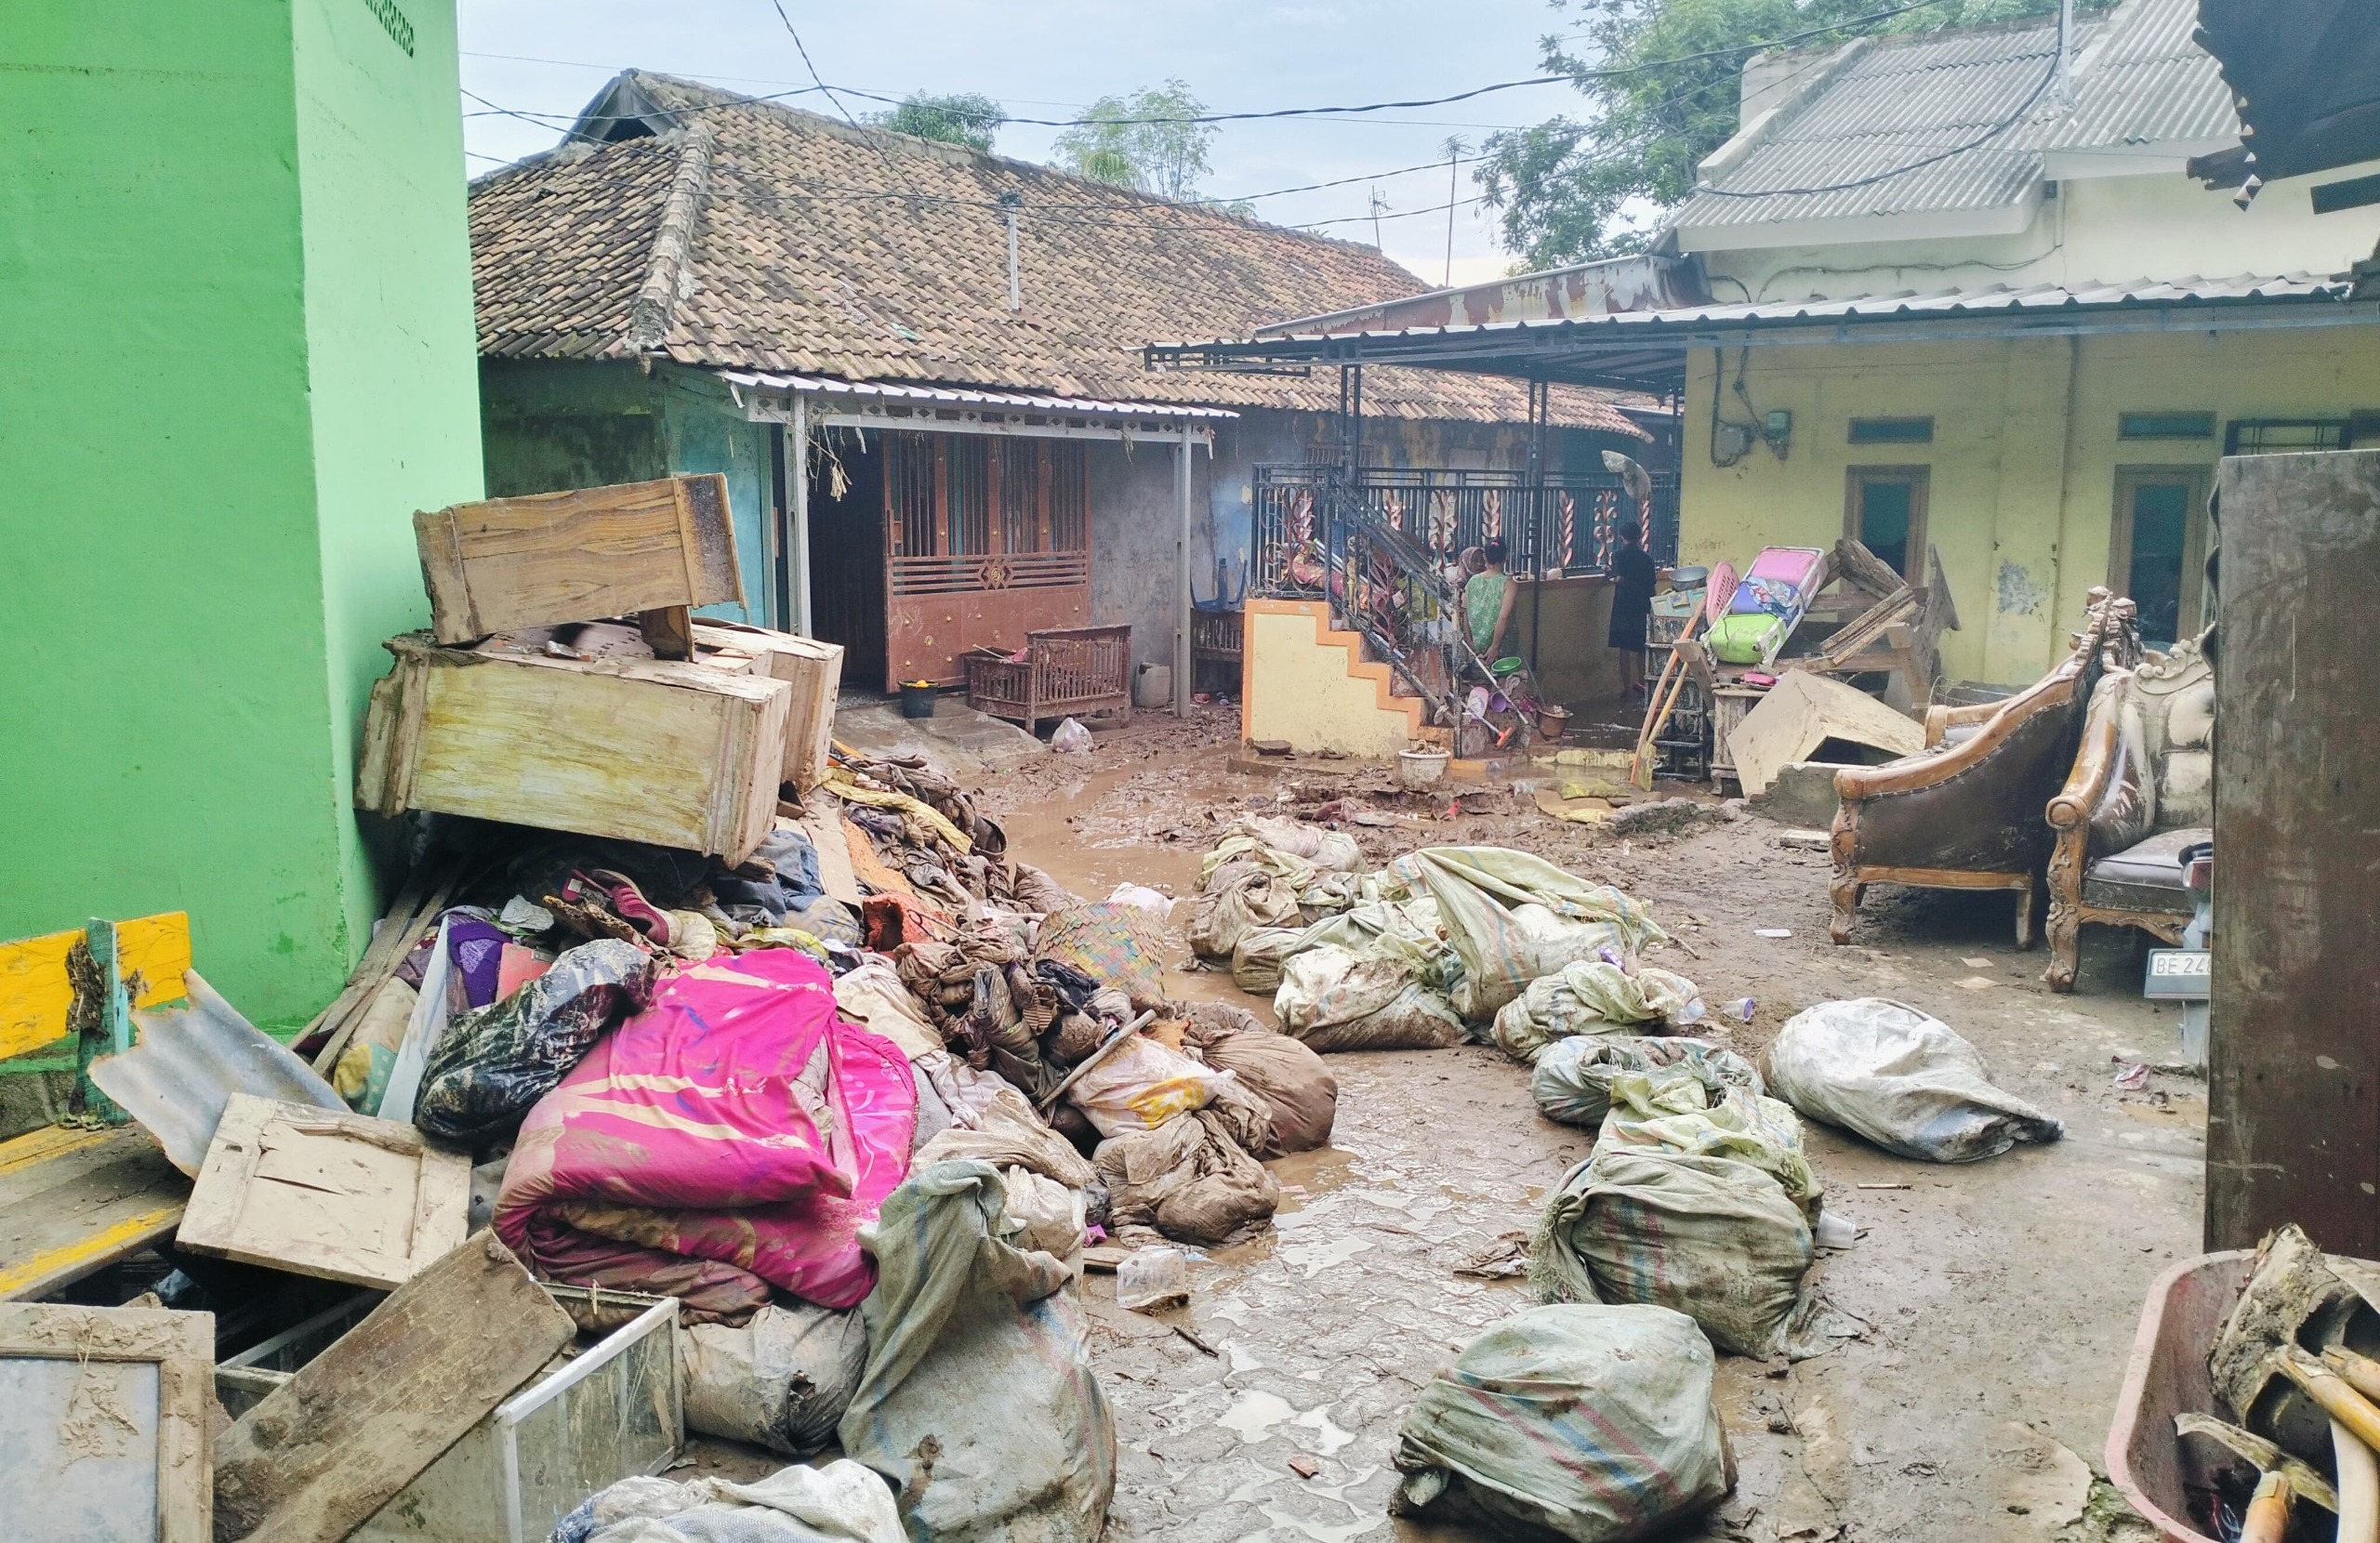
x=2023, y=467
x=1299, y=689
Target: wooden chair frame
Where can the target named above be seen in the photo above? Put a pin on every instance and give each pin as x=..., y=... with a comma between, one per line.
x=1081, y=671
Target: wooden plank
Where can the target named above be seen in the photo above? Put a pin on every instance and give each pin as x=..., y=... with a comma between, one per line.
x=668, y=631
x=821, y=817
x=91, y=1454
x=35, y=994
x=75, y=1201
x=343, y=1196
x=320, y=1454
x=576, y=556
x=813, y=668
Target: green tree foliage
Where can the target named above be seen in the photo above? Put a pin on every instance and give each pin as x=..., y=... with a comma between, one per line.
x=966, y=118
x=1661, y=80
x=1146, y=141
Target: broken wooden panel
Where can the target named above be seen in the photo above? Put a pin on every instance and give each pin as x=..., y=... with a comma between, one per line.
x=1802, y=712
x=75, y=1200
x=814, y=669
x=103, y=1424
x=578, y=556
x=352, y=1429
x=343, y=1196
x=679, y=755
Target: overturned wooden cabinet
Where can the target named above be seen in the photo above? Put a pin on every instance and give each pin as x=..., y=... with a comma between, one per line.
x=681, y=755
x=813, y=668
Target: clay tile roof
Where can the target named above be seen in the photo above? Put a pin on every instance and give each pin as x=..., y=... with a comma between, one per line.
x=728, y=234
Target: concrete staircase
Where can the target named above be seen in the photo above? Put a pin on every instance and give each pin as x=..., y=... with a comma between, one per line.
x=1316, y=687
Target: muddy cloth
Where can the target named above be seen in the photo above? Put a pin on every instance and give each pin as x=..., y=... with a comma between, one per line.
x=738, y=1122
x=837, y=1502
x=992, y=1123
x=1512, y=918
x=1117, y=945
x=777, y=882
x=494, y=1064
x=474, y=949
x=781, y=1382
x=1711, y=1236
x=1189, y=1180
x=1248, y=901
x=1335, y=1000
x=1038, y=893
x=978, y=1405
x=1593, y=997
x=665, y=876
x=1572, y=1079
x=1589, y=1423
x=1902, y=1079
x=1297, y=1088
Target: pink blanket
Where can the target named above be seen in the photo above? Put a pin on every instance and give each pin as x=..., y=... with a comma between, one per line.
x=732, y=1136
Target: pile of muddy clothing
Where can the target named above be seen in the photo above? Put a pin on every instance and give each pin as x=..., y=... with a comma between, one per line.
x=919, y=842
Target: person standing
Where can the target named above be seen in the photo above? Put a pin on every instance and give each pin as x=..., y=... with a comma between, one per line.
x=1633, y=576
x=1488, y=604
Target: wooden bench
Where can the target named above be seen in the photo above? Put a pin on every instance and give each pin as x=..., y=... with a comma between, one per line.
x=1066, y=672
x=1215, y=642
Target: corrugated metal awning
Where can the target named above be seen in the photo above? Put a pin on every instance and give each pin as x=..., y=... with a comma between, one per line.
x=965, y=409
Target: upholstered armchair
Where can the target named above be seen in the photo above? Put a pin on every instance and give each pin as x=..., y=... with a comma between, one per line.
x=1965, y=812
x=2140, y=796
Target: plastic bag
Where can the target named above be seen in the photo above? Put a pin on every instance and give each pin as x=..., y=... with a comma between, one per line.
x=1253, y=900
x=1572, y=1079
x=1141, y=1086
x=780, y=1382
x=1142, y=896
x=496, y=1062
x=1902, y=1079
x=1593, y=1423
x=1151, y=1277
x=1332, y=851
x=837, y=1502
x=1334, y=999
x=1189, y=1180
x=1512, y=918
x=978, y=1407
x=1671, y=1110
x=1710, y=1236
x=1071, y=738
x=1593, y=997
x=1292, y=1080
x=1257, y=959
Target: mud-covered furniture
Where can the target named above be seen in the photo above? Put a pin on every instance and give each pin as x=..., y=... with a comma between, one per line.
x=1966, y=812
x=1066, y=672
x=2140, y=796
x=1215, y=645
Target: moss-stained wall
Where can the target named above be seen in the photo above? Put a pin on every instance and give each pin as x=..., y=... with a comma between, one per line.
x=235, y=326
x=2024, y=462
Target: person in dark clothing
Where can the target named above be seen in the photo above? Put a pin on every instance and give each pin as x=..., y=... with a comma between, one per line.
x=1632, y=575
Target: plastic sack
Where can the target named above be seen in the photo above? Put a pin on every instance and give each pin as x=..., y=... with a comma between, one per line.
x=1672, y=1111
x=1512, y=918
x=1902, y=1079
x=1071, y=738
x=1140, y=1085
x=1592, y=1423
x=1572, y=1079
x=978, y=1407
x=495, y=1062
x=839, y=1502
x=1292, y=1080
x=1239, y=848
x=1593, y=997
x=1142, y=896
x=1038, y=1212
x=1257, y=959
x=994, y=1123
x=1710, y=1236
x=870, y=993
x=1334, y=999
x=1253, y=900
x=1332, y=851
x=780, y=1382
x=1151, y=1277
x=1189, y=1180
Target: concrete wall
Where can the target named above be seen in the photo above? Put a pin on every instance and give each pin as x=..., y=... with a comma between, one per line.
x=2024, y=462
x=1307, y=685
x=236, y=324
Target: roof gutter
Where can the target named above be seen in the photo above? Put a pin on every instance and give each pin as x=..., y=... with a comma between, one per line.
x=1645, y=282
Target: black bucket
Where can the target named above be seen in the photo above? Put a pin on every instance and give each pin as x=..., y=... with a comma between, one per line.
x=916, y=699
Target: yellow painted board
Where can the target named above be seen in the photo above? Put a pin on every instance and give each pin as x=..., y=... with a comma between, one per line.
x=36, y=993
x=70, y=1261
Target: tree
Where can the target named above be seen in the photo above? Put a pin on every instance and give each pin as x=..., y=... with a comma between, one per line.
x=1565, y=190
x=966, y=118
x=1149, y=142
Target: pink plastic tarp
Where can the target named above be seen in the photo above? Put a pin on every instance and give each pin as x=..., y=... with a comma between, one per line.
x=732, y=1137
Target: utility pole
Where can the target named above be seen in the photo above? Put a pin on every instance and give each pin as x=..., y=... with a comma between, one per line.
x=2065, y=54
x=1454, y=147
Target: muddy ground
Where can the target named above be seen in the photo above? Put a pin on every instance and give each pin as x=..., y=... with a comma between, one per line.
x=2000, y=1299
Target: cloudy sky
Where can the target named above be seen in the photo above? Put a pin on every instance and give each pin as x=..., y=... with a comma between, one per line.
x=1048, y=60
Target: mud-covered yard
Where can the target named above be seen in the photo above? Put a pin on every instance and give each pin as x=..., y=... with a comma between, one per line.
x=1999, y=1299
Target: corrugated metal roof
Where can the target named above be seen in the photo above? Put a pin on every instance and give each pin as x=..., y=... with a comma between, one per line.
x=952, y=396
x=1905, y=101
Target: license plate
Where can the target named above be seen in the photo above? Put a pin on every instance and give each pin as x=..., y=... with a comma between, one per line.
x=2179, y=973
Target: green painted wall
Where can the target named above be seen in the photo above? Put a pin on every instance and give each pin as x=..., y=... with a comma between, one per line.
x=235, y=326
x=2024, y=464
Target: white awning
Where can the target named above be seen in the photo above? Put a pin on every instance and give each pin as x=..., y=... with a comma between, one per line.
x=958, y=410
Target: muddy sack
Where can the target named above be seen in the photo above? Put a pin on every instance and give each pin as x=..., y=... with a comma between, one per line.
x=1593, y=997
x=1512, y=918
x=1257, y=959
x=1571, y=1081
x=1335, y=1000
x=978, y=1405
x=1140, y=1085
x=1712, y=1237
x=1190, y=1179
x=781, y=1382
x=1592, y=1423
x=837, y=1502
x=1248, y=901
x=1288, y=1075
x=1902, y=1079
